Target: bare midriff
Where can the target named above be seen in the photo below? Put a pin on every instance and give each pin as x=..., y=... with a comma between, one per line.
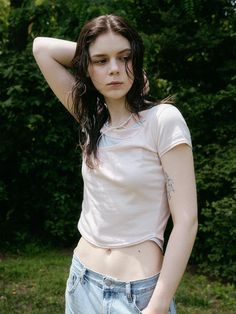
x=127, y=263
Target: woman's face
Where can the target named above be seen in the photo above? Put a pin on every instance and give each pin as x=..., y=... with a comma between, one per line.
x=109, y=58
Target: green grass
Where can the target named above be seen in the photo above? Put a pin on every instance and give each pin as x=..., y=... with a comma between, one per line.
x=35, y=284
x=197, y=294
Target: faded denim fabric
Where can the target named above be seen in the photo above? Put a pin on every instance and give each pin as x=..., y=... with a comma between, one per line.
x=88, y=292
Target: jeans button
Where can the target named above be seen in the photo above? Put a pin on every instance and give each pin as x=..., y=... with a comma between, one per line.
x=108, y=282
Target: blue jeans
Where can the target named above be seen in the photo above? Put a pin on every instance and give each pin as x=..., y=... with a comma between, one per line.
x=88, y=292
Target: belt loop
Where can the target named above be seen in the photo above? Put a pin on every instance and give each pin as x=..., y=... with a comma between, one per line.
x=128, y=292
x=82, y=273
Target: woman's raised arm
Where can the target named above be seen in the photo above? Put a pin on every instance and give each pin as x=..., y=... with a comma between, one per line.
x=53, y=57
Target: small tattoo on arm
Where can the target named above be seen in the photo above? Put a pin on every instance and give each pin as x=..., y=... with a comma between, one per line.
x=169, y=186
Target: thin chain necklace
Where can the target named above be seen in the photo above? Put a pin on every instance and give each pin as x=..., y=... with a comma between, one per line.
x=120, y=125
x=106, y=124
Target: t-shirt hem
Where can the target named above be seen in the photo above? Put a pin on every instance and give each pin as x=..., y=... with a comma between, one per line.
x=178, y=142
x=126, y=244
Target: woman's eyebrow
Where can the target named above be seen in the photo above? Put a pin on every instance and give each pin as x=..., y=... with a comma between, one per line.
x=105, y=55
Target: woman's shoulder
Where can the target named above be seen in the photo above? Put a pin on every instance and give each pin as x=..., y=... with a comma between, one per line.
x=156, y=110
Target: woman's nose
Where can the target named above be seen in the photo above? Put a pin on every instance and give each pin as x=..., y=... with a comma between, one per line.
x=114, y=67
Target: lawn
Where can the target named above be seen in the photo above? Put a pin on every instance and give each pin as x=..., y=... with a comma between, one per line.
x=35, y=284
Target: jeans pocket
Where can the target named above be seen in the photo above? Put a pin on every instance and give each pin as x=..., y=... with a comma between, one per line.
x=72, y=282
x=137, y=310
x=140, y=302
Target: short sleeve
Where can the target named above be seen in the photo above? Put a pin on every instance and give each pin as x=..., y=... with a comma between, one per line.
x=170, y=129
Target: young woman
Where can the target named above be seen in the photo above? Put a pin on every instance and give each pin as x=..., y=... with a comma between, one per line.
x=137, y=169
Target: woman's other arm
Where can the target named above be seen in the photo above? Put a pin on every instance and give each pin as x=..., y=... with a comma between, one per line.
x=180, y=183
x=53, y=56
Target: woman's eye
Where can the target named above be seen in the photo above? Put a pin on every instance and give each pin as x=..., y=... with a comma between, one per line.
x=101, y=61
x=125, y=58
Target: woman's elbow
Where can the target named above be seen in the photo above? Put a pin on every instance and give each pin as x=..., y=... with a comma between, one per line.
x=188, y=222
x=39, y=45
x=192, y=225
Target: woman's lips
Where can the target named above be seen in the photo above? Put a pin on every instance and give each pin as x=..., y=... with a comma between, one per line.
x=115, y=83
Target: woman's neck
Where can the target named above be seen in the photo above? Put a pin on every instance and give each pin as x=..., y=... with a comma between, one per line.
x=118, y=111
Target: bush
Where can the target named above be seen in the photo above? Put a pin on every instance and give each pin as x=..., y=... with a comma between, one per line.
x=217, y=185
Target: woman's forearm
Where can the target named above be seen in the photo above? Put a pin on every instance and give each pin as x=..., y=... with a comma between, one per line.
x=53, y=57
x=60, y=50
x=176, y=257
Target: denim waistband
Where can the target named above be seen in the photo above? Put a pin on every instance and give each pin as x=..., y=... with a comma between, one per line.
x=103, y=281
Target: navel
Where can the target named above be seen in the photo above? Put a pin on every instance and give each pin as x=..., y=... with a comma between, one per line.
x=108, y=251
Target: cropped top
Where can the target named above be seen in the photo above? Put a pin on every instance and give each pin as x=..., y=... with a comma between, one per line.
x=125, y=199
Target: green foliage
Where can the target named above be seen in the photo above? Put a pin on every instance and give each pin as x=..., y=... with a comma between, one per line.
x=38, y=156
x=211, y=120
x=218, y=219
x=217, y=185
x=190, y=7
x=190, y=53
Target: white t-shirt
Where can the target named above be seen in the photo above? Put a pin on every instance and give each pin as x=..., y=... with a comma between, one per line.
x=125, y=199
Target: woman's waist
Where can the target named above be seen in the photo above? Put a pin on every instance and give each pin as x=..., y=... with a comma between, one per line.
x=127, y=263
x=102, y=280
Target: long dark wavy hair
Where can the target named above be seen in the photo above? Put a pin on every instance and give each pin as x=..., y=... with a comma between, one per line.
x=88, y=104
